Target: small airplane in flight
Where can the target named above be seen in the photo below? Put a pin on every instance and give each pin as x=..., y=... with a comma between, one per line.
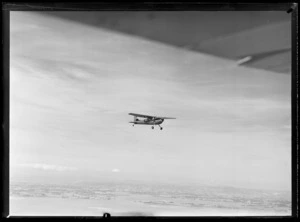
x=148, y=120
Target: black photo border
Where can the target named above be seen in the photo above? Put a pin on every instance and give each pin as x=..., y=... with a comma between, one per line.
x=291, y=9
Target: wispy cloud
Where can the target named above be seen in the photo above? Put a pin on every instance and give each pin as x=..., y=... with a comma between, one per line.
x=287, y=127
x=48, y=167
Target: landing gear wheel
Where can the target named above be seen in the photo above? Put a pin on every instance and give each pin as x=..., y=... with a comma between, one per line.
x=161, y=128
x=152, y=127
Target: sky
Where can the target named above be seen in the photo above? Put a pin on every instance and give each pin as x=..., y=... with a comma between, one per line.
x=72, y=87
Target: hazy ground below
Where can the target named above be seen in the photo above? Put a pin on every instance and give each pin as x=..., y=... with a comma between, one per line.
x=144, y=200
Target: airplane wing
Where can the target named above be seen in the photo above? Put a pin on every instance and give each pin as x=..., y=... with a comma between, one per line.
x=140, y=115
x=158, y=117
x=146, y=116
x=242, y=33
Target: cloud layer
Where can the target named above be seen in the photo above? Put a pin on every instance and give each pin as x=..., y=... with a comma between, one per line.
x=48, y=167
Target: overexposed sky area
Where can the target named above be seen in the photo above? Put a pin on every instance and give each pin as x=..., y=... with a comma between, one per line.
x=72, y=87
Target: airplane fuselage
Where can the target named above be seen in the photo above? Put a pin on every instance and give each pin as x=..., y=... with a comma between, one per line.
x=148, y=122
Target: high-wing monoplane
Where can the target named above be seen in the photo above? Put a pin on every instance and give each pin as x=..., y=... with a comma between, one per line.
x=148, y=120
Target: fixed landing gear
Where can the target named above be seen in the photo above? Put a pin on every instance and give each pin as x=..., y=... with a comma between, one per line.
x=133, y=125
x=159, y=127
